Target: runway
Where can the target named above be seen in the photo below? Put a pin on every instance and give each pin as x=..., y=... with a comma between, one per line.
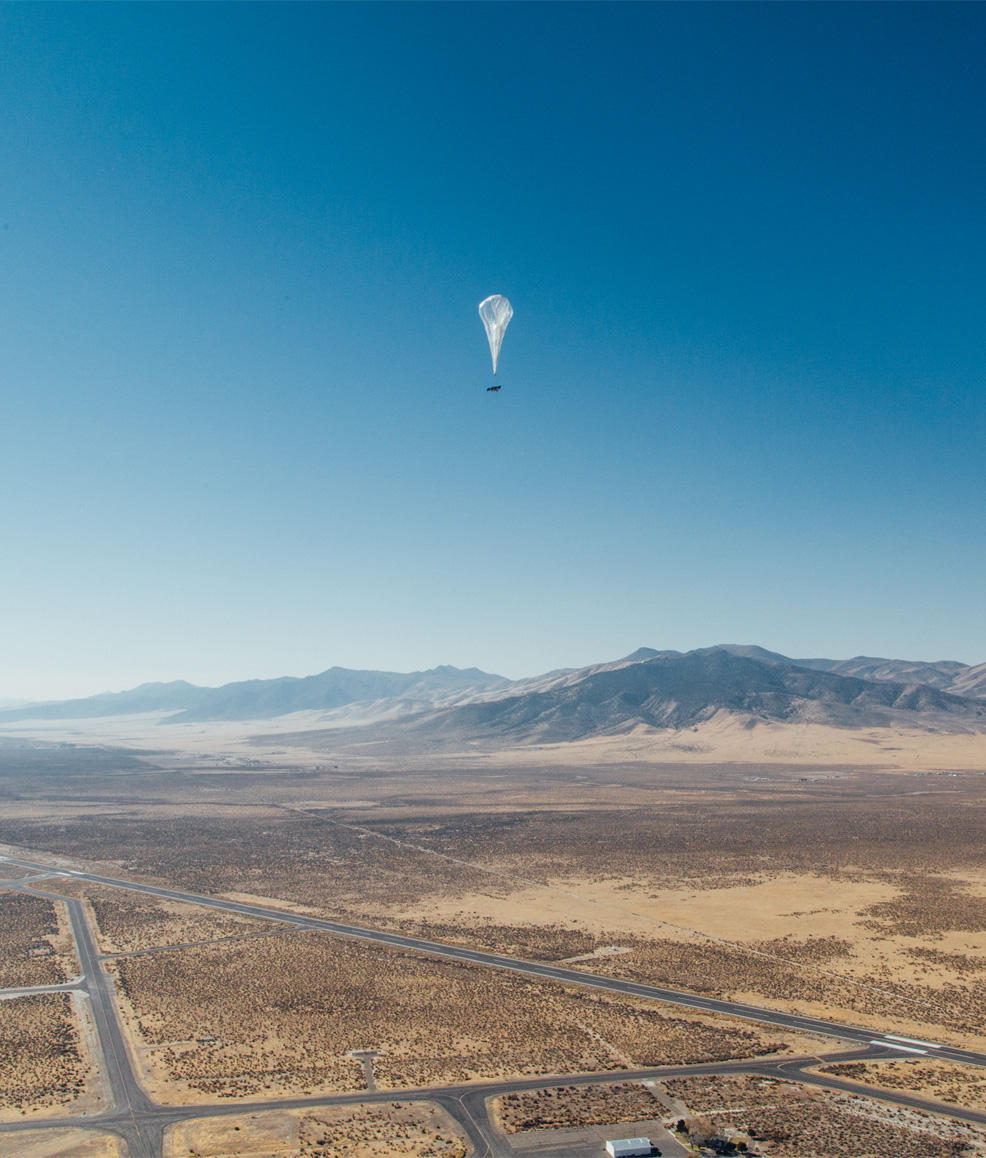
x=542, y=970
x=141, y=1123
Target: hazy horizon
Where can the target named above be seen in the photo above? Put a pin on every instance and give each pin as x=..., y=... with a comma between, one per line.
x=10, y=700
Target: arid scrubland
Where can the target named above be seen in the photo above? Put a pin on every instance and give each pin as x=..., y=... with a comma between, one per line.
x=941, y=1081
x=794, y=1120
x=34, y=948
x=254, y=1017
x=130, y=923
x=837, y=891
x=45, y=1066
x=575, y=1106
x=878, y=997
x=401, y=1129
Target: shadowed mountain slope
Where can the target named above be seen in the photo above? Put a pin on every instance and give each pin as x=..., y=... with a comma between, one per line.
x=679, y=691
x=971, y=681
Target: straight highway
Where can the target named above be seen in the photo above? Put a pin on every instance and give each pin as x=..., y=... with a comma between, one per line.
x=542, y=970
x=141, y=1123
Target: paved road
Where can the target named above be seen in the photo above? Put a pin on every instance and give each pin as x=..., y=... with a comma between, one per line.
x=467, y=1102
x=141, y=1123
x=31, y=990
x=773, y=1017
x=128, y=1118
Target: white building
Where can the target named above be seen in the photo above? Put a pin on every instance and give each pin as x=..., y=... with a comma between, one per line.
x=625, y=1147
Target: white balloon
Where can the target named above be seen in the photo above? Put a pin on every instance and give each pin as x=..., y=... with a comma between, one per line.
x=496, y=311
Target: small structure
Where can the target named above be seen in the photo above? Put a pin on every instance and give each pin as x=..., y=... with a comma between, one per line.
x=625, y=1147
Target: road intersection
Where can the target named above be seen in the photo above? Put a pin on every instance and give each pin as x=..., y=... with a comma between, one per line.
x=141, y=1123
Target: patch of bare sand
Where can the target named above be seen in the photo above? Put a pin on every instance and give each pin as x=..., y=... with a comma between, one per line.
x=262, y=902
x=409, y=1129
x=262, y=1135
x=730, y=739
x=792, y=907
x=786, y=905
x=60, y=1144
x=227, y=741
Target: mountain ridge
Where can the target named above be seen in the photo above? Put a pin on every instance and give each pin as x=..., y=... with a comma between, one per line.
x=686, y=690
x=446, y=687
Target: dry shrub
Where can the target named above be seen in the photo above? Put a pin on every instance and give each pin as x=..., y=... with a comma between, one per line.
x=27, y=955
x=956, y=1084
x=43, y=1064
x=926, y=907
x=370, y=1131
x=129, y=923
x=725, y=971
x=795, y=1121
x=576, y=1106
x=284, y=1014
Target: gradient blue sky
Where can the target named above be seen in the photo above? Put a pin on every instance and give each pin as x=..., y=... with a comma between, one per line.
x=245, y=424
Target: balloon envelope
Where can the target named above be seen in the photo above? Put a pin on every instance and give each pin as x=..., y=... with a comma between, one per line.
x=496, y=311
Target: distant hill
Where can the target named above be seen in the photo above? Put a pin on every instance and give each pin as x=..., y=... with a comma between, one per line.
x=947, y=675
x=677, y=691
x=146, y=698
x=263, y=699
x=645, y=653
x=940, y=674
x=971, y=681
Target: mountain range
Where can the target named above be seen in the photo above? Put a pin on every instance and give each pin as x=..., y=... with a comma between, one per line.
x=659, y=689
x=684, y=690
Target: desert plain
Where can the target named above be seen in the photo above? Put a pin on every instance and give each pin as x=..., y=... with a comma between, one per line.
x=836, y=877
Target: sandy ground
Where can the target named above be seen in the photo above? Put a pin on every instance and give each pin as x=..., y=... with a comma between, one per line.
x=97, y=1097
x=60, y=1144
x=63, y=942
x=795, y=906
x=789, y=905
x=224, y=741
x=723, y=739
x=260, y=901
x=727, y=739
x=151, y=1061
x=264, y=1134
x=362, y=1132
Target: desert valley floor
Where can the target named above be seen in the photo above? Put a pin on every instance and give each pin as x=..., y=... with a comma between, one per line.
x=274, y=948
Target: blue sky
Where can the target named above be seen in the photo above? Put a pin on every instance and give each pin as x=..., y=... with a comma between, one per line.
x=245, y=424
